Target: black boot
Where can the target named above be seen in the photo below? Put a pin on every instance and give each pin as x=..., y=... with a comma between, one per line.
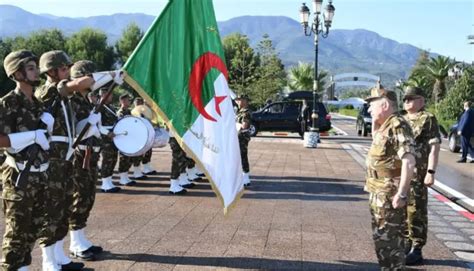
x=414, y=257
x=407, y=247
x=72, y=266
x=85, y=255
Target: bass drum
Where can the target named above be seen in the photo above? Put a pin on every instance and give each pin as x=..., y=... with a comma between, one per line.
x=133, y=136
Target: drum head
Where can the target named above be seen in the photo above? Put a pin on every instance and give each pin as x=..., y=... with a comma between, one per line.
x=132, y=136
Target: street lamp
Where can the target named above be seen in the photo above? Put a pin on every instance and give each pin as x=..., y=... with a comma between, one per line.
x=312, y=138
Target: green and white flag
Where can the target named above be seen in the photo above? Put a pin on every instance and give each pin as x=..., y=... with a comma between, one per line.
x=179, y=69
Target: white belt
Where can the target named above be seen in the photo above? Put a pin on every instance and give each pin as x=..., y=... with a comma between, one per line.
x=42, y=167
x=108, y=127
x=64, y=139
x=84, y=147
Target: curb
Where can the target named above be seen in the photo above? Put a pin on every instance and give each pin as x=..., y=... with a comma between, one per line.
x=454, y=196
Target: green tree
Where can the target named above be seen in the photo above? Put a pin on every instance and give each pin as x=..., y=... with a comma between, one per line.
x=43, y=41
x=271, y=75
x=420, y=75
x=301, y=78
x=241, y=62
x=451, y=107
x=91, y=44
x=438, y=69
x=131, y=36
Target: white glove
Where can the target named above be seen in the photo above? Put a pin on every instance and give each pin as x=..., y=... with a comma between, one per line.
x=49, y=121
x=101, y=78
x=94, y=118
x=40, y=139
x=118, y=79
x=92, y=131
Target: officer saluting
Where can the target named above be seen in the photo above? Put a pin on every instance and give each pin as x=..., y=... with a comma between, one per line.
x=25, y=205
x=390, y=165
x=244, y=119
x=427, y=144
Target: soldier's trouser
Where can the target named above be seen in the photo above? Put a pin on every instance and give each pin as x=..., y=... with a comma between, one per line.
x=179, y=161
x=417, y=214
x=147, y=157
x=84, y=190
x=244, y=144
x=60, y=175
x=136, y=160
x=109, y=159
x=388, y=225
x=26, y=218
x=125, y=162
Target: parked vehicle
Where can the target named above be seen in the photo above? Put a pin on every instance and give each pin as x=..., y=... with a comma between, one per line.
x=364, y=121
x=455, y=139
x=285, y=116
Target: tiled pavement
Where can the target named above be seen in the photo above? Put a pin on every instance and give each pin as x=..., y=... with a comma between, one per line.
x=305, y=210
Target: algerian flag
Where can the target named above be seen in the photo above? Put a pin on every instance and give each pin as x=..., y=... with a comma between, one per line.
x=179, y=69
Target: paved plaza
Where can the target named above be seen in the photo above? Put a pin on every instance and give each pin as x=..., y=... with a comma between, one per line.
x=306, y=210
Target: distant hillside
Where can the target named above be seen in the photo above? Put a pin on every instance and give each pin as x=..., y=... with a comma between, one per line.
x=343, y=51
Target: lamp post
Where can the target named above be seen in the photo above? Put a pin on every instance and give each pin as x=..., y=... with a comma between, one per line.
x=316, y=28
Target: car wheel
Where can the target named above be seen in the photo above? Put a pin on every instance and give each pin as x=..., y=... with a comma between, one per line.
x=253, y=130
x=364, y=130
x=359, y=131
x=452, y=143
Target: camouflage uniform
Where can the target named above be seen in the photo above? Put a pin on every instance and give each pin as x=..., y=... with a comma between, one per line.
x=124, y=161
x=25, y=208
x=390, y=143
x=179, y=161
x=243, y=115
x=84, y=180
x=60, y=169
x=426, y=133
x=109, y=151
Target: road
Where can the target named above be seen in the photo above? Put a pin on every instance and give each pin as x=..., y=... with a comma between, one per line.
x=453, y=180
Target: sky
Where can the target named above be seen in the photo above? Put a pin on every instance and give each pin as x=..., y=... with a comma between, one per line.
x=439, y=26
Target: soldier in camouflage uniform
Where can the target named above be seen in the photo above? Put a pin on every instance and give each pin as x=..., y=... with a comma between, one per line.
x=390, y=165
x=85, y=174
x=25, y=205
x=178, y=178
x=125, y=162
x=54, y=94
x=244, y=119
x=427, y=144
x=109, y=151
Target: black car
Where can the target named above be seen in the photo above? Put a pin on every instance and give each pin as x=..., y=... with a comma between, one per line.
x=364, y=121
x=285, y=116
x=455, y=139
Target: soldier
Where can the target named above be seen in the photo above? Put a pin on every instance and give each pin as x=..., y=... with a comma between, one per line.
x=244, y=119
x=124, y=161
x=390, y=165
x=25, y=205
x=427, y=144
x=93, y=98
x=178, y=178
x=54, y=94
x=143, y=111
x=109, y=151
x=86, y=157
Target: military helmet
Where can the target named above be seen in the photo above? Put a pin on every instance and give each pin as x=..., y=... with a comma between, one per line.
x=15, y=61
x=82, y=68
x=53, y=60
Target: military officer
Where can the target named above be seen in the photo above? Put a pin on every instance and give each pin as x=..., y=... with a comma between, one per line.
x=244, y=119
x=86, y=157
x=55, y=65
x=390, y=165
x=427, y=144
x=26, y=204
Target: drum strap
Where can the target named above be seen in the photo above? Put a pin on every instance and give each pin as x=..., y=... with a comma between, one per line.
x=110, y=110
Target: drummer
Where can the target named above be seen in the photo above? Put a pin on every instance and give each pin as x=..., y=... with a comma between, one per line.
x=124, y=161
x=142, y=110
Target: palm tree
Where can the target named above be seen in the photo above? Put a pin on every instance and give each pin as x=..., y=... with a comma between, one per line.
x=301, y=77
x=438, y=69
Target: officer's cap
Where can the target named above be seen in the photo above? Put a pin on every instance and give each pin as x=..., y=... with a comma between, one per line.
x=124, y=96
x=380, y=92
x=411, y=92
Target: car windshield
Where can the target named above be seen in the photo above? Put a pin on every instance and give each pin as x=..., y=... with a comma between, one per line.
x=365, y=111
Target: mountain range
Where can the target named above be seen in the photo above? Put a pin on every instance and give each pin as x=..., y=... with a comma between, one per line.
x=357, y=50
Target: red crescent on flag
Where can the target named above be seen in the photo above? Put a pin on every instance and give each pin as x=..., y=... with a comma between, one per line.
x=200, y=69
